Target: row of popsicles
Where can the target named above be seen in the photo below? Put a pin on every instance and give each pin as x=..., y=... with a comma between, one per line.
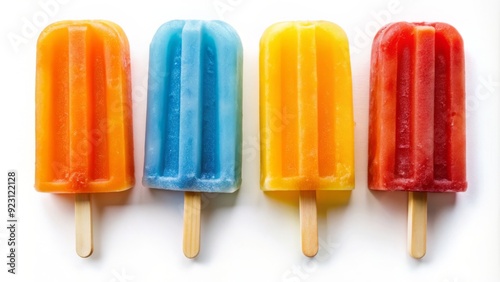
x=194, y=115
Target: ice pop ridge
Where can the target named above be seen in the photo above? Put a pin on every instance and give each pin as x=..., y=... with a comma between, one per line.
x=83, y=109
x=193, y=132
x=306, y=117
x=417, y=109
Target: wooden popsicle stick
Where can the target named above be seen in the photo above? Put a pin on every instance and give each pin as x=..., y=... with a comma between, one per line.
x=83, y=224
x=308, y=222
x=417, y=224
x=192, y=214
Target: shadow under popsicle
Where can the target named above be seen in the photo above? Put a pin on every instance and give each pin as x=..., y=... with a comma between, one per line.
x=439, y=204
x=99, y=203
x=210, y=203
x=326, y=201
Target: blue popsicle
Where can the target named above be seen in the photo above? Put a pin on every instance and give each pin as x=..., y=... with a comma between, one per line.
x=193, y=131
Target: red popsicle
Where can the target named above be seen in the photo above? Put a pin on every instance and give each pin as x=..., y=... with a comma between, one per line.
x=417, y=116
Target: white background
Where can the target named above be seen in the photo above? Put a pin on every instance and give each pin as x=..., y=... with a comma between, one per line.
x=250, y=235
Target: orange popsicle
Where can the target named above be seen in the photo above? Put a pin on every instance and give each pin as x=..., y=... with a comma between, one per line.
x=83, y=114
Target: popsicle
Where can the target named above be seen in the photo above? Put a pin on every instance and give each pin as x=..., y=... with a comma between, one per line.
x=417, y=117
x=306, y=115
x=193, y=131
x=83, y=116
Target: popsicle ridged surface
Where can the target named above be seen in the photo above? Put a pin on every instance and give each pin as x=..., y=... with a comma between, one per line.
x=417, y=109
x=193, y=131
x=83, y=109
x=306, y=115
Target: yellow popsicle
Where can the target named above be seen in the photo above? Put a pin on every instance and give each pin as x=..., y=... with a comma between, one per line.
x=306, y=116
